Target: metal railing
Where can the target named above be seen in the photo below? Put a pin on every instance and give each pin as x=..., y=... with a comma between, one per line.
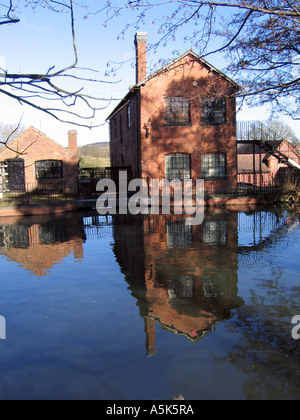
x=255, y=131
x=39, y=194
x=89, y=177
x=247, y=184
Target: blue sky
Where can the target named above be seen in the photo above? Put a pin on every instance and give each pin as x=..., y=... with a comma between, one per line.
x=43, y=39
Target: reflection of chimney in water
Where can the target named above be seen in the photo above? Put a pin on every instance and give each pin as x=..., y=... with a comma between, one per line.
x=150, y=336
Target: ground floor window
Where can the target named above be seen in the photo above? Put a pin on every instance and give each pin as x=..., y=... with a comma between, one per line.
x=49, y=169
x=15, y=174
x=213, y=165
x=178, y=166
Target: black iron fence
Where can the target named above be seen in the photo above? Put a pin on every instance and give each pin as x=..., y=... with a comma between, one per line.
x=39, y=194
x=247, y=184
x=89, y=178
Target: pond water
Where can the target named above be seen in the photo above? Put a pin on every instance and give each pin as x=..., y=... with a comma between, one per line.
x=147, y=307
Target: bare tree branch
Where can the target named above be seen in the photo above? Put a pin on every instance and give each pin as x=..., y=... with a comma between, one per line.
x=260, y=39
x=8, y=132
x=38, y=90
x=7, y=17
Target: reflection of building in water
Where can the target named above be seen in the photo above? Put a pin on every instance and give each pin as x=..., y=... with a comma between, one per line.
x=183, y=277
x=40, y=243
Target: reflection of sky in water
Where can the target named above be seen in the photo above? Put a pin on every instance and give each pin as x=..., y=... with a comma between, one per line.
x=88, y=299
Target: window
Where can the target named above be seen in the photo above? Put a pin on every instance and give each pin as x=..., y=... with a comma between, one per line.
x=177, y=111
x=129, y=115
x=179, y=235
x=213, y=165
x=215, y=283
x=213, y=111
x=215, y=232
x=48, y=169
x=181, y=287
x=178, y=166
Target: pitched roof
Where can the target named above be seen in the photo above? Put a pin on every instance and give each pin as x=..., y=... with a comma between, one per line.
x=195, y=57
x=164, y=69
x=36, y=133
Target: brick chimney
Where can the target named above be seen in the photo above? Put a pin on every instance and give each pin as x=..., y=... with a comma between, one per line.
x=72, y=143
x=141, y=55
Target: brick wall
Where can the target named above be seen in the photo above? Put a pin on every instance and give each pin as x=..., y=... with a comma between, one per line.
x=191, y=80
x=125, y=138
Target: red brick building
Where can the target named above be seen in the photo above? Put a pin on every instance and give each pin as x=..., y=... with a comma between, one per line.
x=179, y=122
x=34, y=159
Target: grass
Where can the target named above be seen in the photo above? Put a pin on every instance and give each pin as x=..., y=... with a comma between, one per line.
x=33, y=199
x=95, y=155
x=94, y=162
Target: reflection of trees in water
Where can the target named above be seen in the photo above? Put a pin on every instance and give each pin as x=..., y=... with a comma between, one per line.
x=266, y=351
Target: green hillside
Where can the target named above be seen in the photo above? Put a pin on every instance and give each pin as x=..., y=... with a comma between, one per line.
x=94, y=155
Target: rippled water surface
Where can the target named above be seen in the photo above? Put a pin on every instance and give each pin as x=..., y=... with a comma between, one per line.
x=147, y=307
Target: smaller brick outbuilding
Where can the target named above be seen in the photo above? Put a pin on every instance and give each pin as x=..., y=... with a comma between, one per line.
x=33, y=160
x=261, y=167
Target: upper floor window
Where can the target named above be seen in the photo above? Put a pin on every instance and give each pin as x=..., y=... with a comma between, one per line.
x=213, y=165
x=213, y=111
x=129, y=115
x=177, y=111
x=49, y=169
